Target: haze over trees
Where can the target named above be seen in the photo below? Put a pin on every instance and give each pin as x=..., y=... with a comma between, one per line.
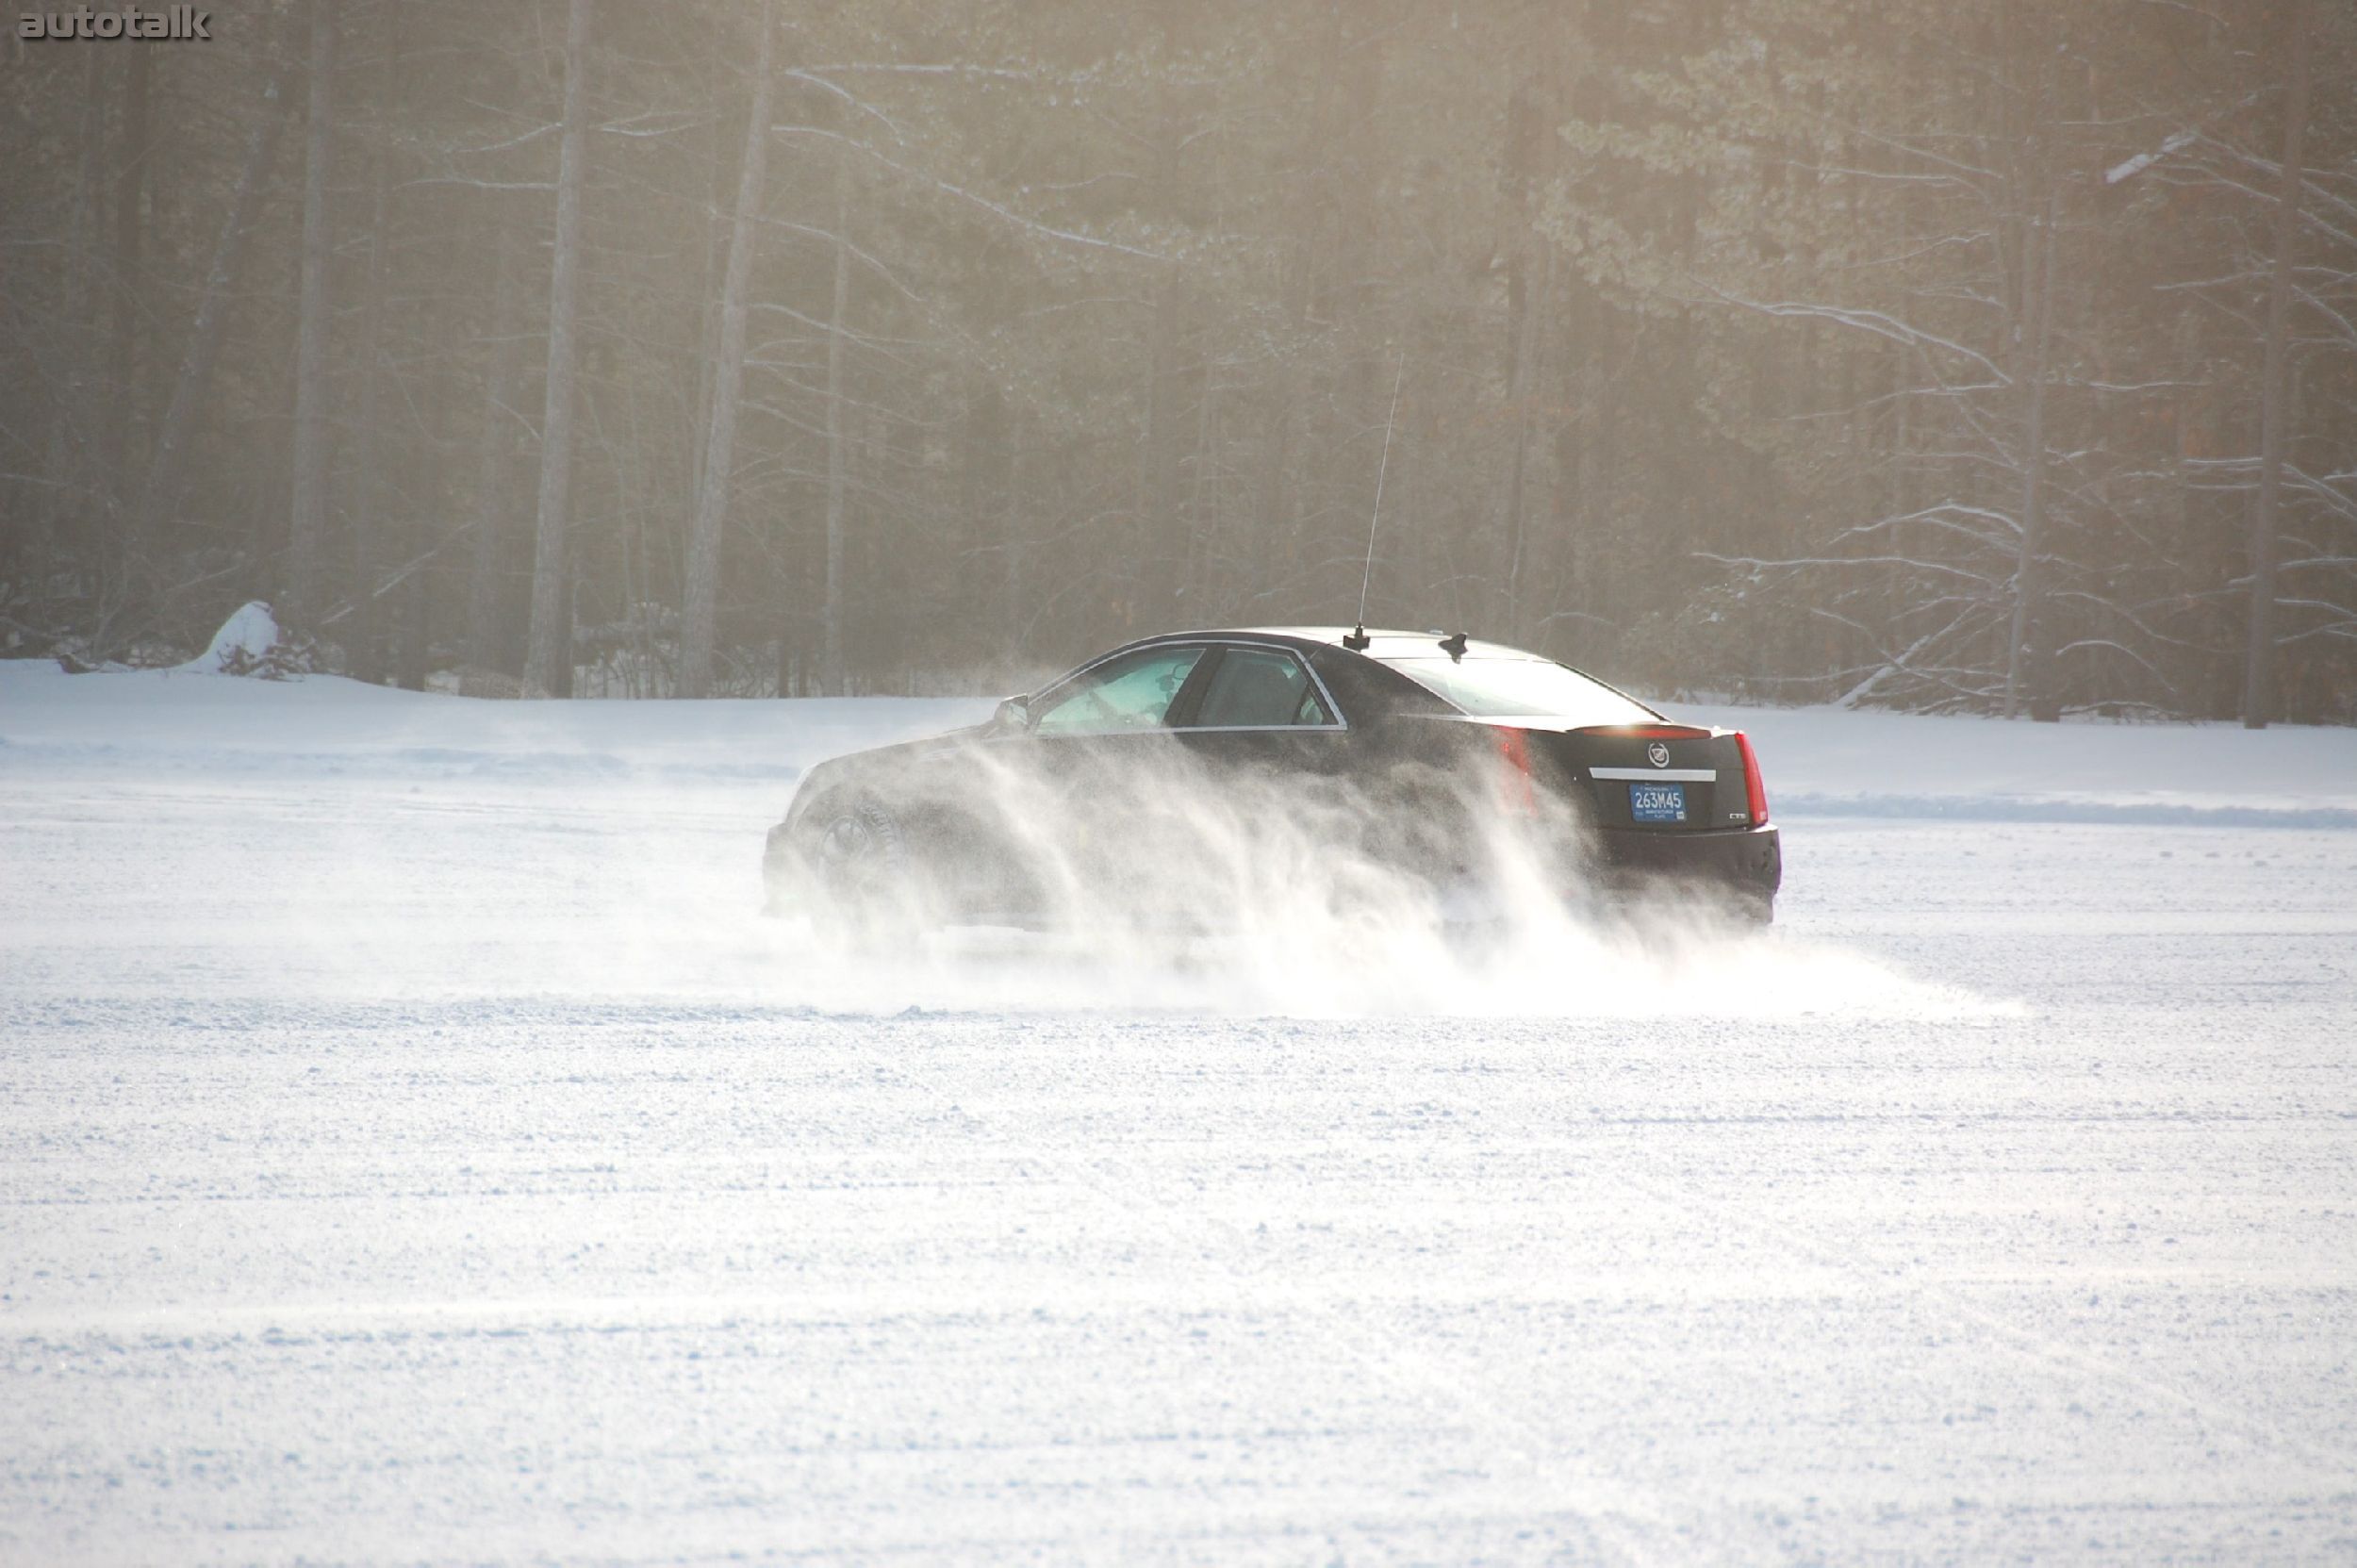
x=1984, y=355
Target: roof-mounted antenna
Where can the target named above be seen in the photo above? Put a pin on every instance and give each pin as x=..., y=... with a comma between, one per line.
x=1358, y=640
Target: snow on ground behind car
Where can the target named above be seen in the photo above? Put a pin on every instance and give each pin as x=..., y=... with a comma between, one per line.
x=385, y=842
x=379, y=843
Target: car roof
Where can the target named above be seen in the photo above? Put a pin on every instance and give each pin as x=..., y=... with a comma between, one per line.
x=1382, y=643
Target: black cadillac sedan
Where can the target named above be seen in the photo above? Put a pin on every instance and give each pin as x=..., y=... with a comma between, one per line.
x=1409, y=751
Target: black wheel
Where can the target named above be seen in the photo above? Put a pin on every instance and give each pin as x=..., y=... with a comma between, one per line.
x=855, y=855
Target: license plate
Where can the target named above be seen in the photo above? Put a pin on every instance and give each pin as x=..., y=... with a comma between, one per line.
x=1657, y=802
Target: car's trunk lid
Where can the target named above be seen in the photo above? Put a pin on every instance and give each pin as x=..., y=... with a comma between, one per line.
x=1656, y=777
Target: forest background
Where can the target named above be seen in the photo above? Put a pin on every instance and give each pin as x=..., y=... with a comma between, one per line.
x=1991, y=356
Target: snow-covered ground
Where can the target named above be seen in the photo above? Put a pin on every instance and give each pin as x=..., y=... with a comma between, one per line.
x=414, y=1148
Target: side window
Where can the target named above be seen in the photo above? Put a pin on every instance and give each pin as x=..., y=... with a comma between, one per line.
x=1259, y=688
x=1132, y=692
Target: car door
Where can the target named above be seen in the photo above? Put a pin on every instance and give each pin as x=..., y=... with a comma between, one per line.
x=1106, y=797
x=1270, y=749
x=1257, y=711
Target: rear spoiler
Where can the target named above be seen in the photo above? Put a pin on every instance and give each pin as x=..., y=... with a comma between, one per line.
x=1647, y=732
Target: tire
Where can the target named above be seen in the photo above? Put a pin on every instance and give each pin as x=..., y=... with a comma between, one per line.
x=856, y=864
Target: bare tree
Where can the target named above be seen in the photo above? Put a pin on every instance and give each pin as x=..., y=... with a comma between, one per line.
x=495, y=437
x=132, y=159
x=2026, y=669
x=308, y=526
x=2258, y=696
x=70, y=415
x=701, y=610
x=363, y=629
x=549, y=659
x=830, y=631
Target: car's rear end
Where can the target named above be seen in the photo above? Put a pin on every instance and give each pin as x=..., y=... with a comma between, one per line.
x=1677, y=804
x=1659, y=802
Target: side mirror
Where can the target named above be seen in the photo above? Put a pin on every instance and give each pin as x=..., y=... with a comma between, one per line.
x=1014, y=713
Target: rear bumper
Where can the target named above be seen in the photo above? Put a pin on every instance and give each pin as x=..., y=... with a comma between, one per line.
x=1746, y=860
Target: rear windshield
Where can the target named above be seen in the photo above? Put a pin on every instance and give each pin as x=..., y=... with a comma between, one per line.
x=1501, y=688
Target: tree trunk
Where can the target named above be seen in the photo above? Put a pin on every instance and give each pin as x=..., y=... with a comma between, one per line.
x=1010, y=619
x=711, y=494
x=984, y=519
x=364, y=634
x=306, y=532
x=2025, y=664
x=415, y=606
x=549, y=663
x=831, y=672
x=1526, y=395
x=1156, y=563
x=1204, y=544
x=2258, y=693
x=1568, y=574
x=1157, y=551
x=486, y=586
x=70, y=421
x=122, y=346
x=205, y=333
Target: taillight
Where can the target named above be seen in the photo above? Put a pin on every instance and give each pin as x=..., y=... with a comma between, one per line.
x=1515, y=794
x=1754, y=789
